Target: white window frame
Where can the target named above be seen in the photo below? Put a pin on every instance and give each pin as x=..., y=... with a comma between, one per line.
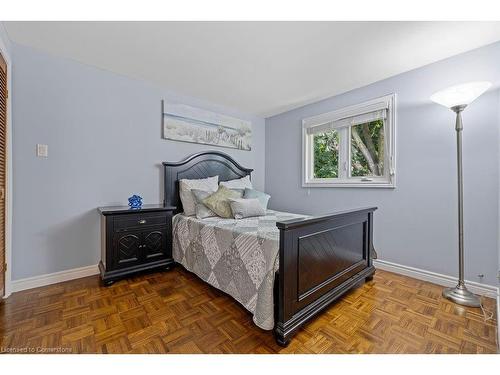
x=388, y=180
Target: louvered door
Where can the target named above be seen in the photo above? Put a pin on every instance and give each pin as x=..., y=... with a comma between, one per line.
x=3, y=169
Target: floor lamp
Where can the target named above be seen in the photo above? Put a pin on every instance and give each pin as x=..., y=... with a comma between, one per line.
x=457, y=98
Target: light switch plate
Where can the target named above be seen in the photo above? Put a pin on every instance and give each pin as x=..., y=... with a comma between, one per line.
x=42, y=151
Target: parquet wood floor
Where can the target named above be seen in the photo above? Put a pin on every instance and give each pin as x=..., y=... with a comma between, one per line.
x=175, y=312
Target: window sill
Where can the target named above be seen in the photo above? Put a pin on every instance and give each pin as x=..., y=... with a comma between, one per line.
x=349, y=184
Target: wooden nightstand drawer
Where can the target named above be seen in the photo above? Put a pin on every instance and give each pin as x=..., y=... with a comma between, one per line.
x=135, y=221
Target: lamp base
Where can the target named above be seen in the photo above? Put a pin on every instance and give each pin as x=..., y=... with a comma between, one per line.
x=462, y=296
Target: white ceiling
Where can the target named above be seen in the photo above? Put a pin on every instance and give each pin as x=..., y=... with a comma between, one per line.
x=261, y=68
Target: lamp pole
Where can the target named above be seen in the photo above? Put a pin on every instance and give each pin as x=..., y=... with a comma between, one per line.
x=459, y=127
x=460, y=294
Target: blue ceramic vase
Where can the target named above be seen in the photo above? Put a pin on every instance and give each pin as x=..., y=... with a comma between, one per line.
x=135, y=201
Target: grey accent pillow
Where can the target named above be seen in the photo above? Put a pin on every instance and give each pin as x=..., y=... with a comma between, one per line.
x=255, y=194
x=187, y=198
x=202, y=211
x=239, y=183
x=243, y=208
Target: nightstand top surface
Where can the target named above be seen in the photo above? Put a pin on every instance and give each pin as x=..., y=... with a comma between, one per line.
x=126, y=209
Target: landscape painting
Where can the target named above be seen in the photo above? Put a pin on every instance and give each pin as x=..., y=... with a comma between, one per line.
x=195, y=125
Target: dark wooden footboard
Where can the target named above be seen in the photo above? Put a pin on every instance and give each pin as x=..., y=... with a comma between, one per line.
x=321, y=258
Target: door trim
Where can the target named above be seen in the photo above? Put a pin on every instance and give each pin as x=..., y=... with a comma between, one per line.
x=8, y=187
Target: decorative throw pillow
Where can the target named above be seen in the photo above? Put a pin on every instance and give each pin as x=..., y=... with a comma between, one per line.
x=242, y=208
x=261, y=196
x=187, y=198
x=202, y=211
x=218, y=202
x=241, y=192
x=239, y=183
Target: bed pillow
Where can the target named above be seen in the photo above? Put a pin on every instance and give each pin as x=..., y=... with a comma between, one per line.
x=243, y=208
x=218, y=202
x=255, y=194
x=187, y=198
x=201, y=210
x=239, y=183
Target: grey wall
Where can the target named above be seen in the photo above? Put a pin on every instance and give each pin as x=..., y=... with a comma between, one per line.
x=104, y=136
x=416, y=224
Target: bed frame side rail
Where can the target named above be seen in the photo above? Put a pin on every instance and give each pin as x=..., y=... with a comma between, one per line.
x=321, y=258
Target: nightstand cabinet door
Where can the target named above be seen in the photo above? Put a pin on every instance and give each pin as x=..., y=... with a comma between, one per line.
x=155, y=244
x=127, y=248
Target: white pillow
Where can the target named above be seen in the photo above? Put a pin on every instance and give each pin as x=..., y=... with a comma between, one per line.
x=239, y=183
x=202, y=211
x=187, y=198
x=243, y=208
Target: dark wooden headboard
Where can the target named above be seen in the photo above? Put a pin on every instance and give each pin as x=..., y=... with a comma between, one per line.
x=202, y=165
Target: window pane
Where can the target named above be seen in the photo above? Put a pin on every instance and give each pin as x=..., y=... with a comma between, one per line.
x=326, y=154
x=367, y=149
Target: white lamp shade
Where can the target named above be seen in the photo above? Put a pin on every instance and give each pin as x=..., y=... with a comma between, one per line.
x=463, y=94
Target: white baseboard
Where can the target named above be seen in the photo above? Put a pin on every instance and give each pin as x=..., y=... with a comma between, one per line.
x=416, y=273
x=53, y=278
x=436, y=278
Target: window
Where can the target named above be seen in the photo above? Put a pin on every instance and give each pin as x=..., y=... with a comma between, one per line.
x=354, y=146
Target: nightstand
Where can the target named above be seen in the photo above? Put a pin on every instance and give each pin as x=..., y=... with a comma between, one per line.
x=135, y=240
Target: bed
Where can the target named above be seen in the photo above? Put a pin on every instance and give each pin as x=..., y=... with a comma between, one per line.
x=284, y=268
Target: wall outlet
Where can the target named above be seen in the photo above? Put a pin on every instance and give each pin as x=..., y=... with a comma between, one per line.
x=42, y=151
